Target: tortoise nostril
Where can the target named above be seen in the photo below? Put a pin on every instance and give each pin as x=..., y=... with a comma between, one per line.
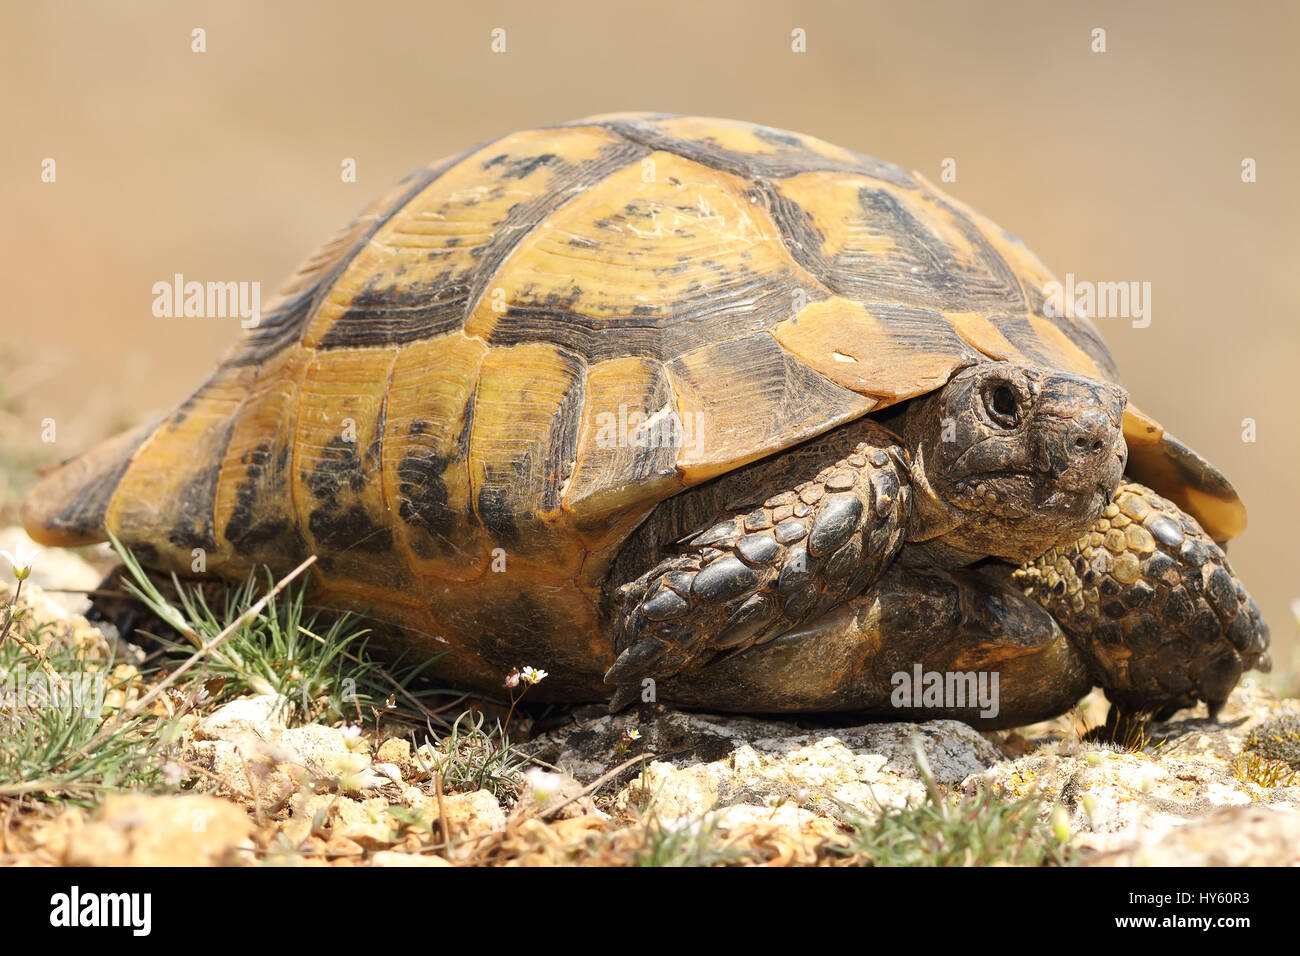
x=1089, y=434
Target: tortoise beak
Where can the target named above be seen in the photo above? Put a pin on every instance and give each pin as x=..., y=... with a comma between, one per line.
x=1080, y=434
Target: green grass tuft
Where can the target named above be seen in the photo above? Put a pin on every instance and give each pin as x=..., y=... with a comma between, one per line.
x=684, y=843
x=59, y=740
x=980, y=829
x=1265, y=772
x=472, y=757
x=324, y=672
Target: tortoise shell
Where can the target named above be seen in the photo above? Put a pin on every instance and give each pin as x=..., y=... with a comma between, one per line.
x=461, y=382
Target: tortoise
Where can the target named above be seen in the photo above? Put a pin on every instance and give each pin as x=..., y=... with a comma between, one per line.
x=703, y=412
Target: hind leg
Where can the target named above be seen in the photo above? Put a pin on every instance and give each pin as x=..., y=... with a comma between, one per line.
x=919, y=644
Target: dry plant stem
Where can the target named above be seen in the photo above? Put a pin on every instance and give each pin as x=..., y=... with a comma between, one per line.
x=513, y=701
x=443, y=826
x=497, y=838
x=459, y=700
x=43, y=786
x=596, y=784
x=203, y=651
x=542, y=763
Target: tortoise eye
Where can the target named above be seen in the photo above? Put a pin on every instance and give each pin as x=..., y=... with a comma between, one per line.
x=1003, y=406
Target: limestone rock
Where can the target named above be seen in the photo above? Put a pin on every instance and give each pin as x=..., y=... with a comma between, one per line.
x=258, y=717
x=712, y=761
x=62, y=628
x=246, y=744
x=397, y=752
x=472, y=815
x=547, y=792
x=139, y=830
x=1236, y=836
x=1181, y=796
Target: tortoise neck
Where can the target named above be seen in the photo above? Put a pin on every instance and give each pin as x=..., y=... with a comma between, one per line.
x=930, y=518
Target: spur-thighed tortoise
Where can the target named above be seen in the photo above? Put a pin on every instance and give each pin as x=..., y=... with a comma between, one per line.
x=715, y=406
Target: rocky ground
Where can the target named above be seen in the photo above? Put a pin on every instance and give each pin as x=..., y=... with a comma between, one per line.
x=245, y=784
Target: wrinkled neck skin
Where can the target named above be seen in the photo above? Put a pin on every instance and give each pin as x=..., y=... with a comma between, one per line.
x=1008, y=461
x=931, y=519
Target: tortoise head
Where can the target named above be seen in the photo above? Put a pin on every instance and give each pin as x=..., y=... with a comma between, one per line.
x=1011, y=460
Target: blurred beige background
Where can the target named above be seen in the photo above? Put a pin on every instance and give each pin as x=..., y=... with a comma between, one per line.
x=225, y=165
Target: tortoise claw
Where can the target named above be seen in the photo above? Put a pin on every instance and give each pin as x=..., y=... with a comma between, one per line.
x=635, y=662
x=624, y=695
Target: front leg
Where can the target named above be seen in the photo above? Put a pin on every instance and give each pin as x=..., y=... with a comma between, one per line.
x=1152, y=603
x=753, y=575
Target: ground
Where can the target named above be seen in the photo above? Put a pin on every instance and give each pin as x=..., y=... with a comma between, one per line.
x=250, y=779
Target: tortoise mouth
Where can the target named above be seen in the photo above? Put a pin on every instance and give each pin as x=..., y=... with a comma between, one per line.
x=1029, y=494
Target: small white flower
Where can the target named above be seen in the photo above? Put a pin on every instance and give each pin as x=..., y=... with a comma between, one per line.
x=351, y=736
x=350, y=782
x=22, y=561
x=539, y=781
x=631, y=735
x=532, y=675
x=544, y=784
x=512, y=679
